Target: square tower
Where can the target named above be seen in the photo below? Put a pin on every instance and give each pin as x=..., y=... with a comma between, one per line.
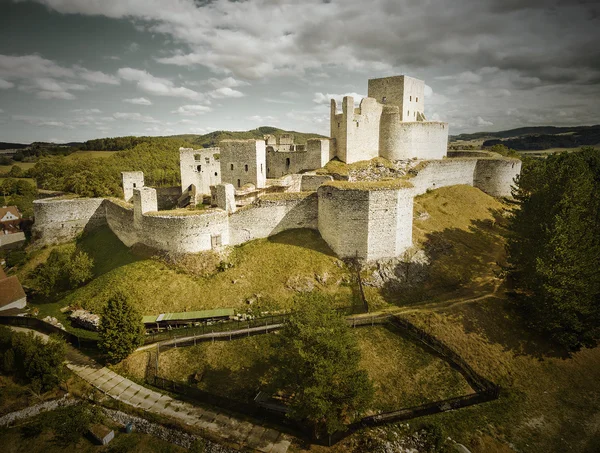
x=243, y=162
x=405, y=92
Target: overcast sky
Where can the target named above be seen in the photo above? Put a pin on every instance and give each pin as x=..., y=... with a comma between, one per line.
x=72, y=70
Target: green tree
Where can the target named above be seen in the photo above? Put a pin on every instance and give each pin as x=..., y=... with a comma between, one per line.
x=121, y=329
x=318, y=367
x=554, y=247
x=66, y=268
x=40, y=363
x=79, y=269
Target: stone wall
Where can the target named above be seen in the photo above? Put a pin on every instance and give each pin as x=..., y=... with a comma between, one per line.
x=200, y=167
x=365, y=224
x=272, y=215
x=441, y=173
x=243, y=162
x=62, y=220
x=119, y=218
x=312, y=156
x=167, y=197
x=311, y=183
x=185, y=233
x=496, y=176
x=131, y=180
x=356, y=131
x=407, y=140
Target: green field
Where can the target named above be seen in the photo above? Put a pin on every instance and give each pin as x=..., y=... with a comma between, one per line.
x=23, y=165
x=403, y=372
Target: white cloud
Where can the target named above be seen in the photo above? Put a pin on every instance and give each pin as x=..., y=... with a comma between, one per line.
x=192, y=110
x=87, y=111
x=98, y=77
x=55, y=95
x=225, y=92
x=134, y=117
x=26, y=66
x=5, y=84
x=41, y=121
x=479, y=121
x=228, y=82
x=263, y=119
x=138, y=101
x=156, y=85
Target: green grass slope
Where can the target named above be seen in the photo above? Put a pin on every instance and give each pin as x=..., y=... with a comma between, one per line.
x=271, y=271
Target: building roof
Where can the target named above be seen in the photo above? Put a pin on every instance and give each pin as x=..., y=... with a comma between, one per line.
x=189, y=315
x=12, y=209
x=10, y=291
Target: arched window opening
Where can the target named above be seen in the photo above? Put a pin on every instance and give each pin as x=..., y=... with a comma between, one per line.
x=239, y=183
x=246, y=167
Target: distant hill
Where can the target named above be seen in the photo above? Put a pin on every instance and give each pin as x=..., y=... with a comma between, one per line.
x=213, y=138
x=537, y=138
x=4, y=145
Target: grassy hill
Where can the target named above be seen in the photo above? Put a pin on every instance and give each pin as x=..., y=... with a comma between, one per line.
x=268, y=272
x=212, y=139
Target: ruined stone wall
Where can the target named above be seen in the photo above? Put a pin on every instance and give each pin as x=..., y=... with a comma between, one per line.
x=496, y=176
x=269, y=216
x=313, y=182
x=185, y=233
x=343, y=220
x=131, y=180
x=120, y=220
x=167, y=197
x=314, y=155
x=390, y=223
x=405, y=92
x=200, y=167
x=441, y=173
x=366, y=224
x=243, y=162
x=407, y=140
x=58, y=221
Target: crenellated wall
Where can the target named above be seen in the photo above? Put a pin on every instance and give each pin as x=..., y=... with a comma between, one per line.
x=63, y=220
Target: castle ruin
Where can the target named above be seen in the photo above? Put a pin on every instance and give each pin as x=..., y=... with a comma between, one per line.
x=258, y=188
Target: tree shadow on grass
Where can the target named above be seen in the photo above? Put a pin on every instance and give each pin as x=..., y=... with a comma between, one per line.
x=462, y=263
x=465, y=264
x=107, y=251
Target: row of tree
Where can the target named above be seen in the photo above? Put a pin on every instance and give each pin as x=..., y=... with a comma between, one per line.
x=554, y=246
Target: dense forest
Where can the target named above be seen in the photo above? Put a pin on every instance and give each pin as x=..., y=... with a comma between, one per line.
x=554, y=246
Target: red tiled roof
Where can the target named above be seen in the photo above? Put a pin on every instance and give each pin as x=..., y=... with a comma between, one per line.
x=10, y=291
x=12, y=209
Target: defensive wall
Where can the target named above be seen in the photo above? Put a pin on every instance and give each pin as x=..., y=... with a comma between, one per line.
x=367, y=220
x=298, y=158
x=62, y=220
